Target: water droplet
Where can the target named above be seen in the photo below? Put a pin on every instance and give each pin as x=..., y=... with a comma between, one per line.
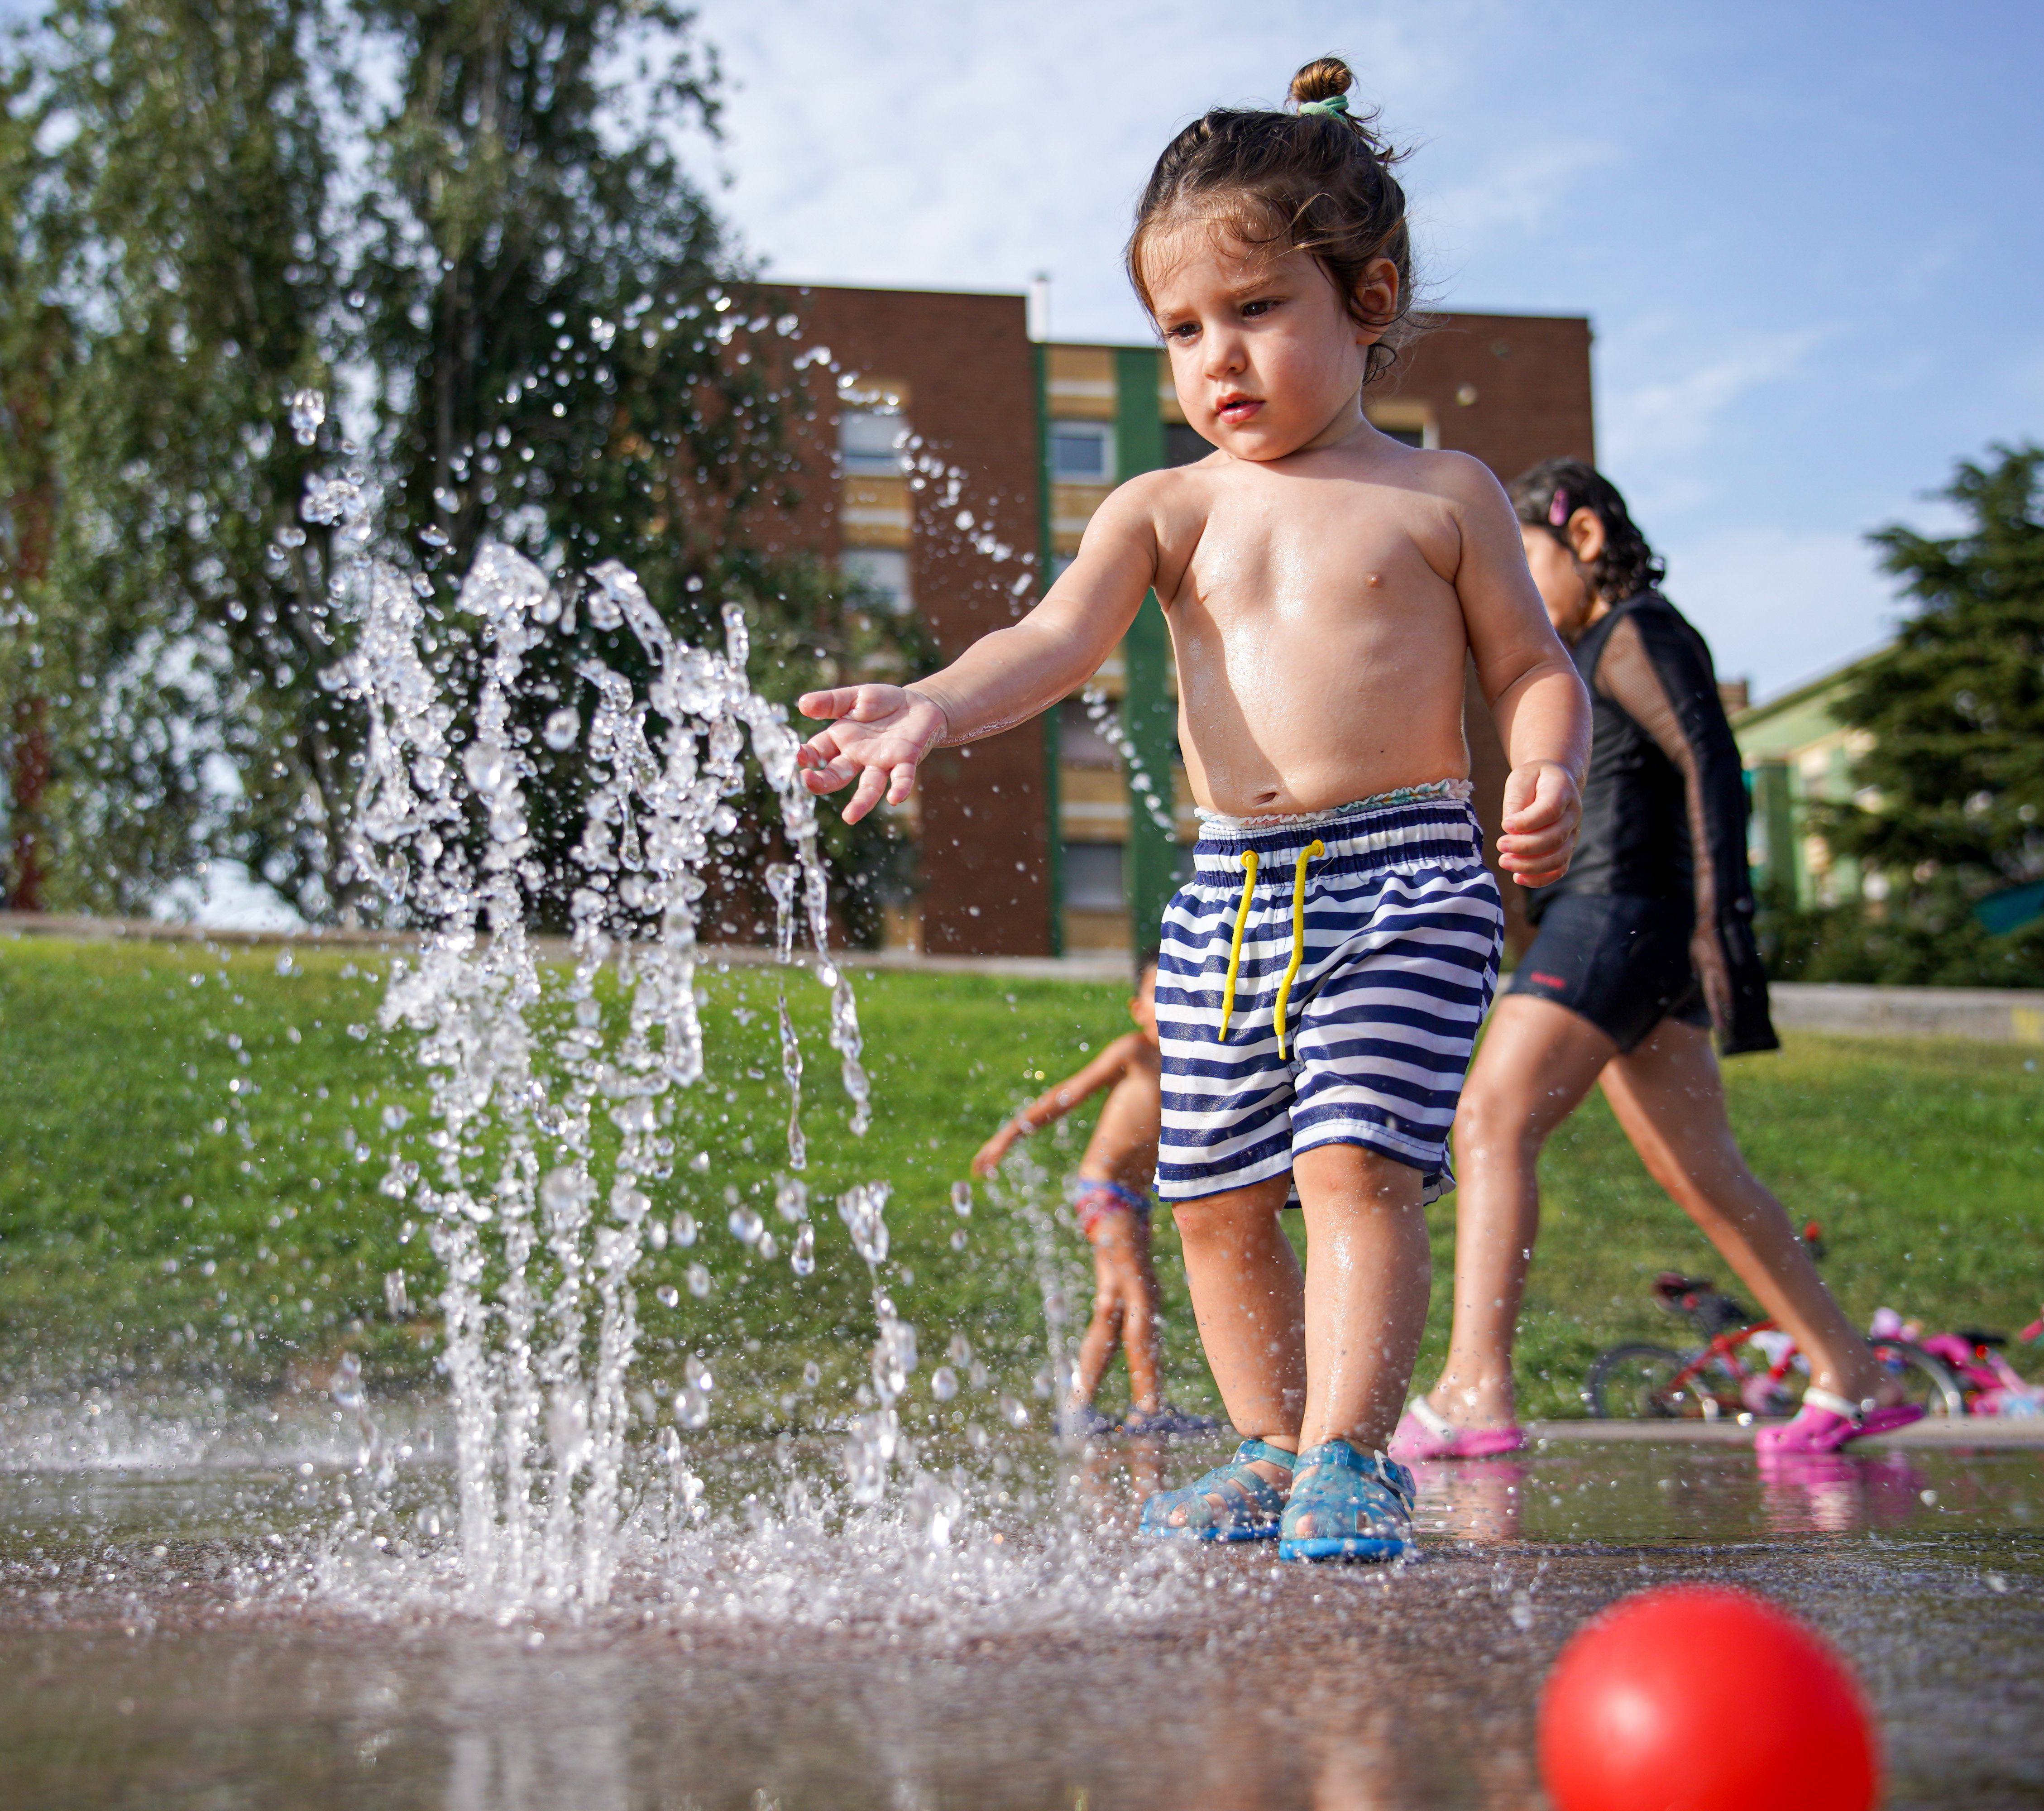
x=812, y=1374
x=958, y=1239
x=700, y=1163
x=802, y=1260
x=669, y=1297
x=746, y=1226
x=1016, y=1414
x=792, y=1199
x=561, y=729
x=698, y=1282
x=394, y=1117
x=684, y=1225
x=962, y=1200
x=943, y=1383
x=307, y=411
x=698, y=1373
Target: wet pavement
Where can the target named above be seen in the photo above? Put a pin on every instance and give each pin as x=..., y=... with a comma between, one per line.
x=216, y=1625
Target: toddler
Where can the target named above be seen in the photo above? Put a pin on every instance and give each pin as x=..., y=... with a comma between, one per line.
x=1325, y=970
x=1112, y=1205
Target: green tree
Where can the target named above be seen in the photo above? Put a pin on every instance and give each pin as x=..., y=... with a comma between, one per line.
x=177, y=230
x=1950, y=792
x=1956, y=706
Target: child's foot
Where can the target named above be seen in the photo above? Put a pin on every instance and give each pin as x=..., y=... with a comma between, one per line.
x=1167, y=1421
x=1425, y=1433
x=1826, y=1422
x=1348, y=1505
x=1081, y=1421
x=1233, y=1501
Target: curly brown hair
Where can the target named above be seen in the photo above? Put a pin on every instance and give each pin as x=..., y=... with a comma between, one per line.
x=1318, y=180
x=1557, y=488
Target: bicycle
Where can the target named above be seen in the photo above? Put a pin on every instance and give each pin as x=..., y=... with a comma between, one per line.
x=1638, y=1380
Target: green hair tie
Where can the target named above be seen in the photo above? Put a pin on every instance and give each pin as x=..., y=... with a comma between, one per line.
x=1338, y=105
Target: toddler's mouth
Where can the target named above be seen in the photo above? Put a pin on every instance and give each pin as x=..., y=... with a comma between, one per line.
x=1235, y=410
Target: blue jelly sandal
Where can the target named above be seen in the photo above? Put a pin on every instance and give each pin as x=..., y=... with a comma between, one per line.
x=1347, y=1504
x=1250, y=1505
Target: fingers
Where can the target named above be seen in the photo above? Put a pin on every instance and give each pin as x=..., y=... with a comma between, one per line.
x=901, y=783
x=1538, y=795
x=838, y=703
x=872, y=784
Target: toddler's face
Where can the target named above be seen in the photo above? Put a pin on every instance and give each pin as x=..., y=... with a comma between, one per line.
x=1266, y=358
x=1143, y=1007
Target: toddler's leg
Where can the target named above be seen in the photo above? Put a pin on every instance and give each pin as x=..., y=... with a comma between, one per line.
x=1103, y=1331
x=1368, y=1268
x=1247, y=1299
x=1135, y=1283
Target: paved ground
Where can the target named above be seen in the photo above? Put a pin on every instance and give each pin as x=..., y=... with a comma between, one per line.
x=180, y=1636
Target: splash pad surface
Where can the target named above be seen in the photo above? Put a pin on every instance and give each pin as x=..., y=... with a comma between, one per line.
x=184, y=1621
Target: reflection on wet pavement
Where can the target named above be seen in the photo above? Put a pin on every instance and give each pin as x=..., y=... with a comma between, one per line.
x=217, y=1626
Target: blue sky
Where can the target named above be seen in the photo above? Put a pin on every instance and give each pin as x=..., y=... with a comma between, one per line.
x=1807, y=234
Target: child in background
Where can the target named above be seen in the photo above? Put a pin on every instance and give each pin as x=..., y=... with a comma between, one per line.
x=1112, y=1205
x=1326, y=969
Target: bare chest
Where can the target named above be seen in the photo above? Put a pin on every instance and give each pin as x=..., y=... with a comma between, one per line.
x=1302, y=563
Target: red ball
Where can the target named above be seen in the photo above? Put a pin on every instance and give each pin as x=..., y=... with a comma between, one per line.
x=1695, y=1697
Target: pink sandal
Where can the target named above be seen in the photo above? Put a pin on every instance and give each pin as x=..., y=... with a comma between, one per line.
x=1826, y=1420
x=1425, y=1434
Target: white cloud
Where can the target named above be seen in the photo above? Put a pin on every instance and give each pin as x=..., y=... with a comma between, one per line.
x=1681, y=405
x=1519, y=188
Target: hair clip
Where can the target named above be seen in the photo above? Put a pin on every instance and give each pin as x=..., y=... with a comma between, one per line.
x=1333, y=104
x=1558, y=510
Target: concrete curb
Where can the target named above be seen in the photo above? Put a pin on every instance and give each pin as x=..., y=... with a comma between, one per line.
x=1993, y=1015
x=1983, y=1014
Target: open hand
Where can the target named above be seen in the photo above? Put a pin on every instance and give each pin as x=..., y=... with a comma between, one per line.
x=1543, y=813
x=878, y=739
x=994, y=1150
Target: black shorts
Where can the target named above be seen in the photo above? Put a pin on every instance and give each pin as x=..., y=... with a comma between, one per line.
x=1618, y=960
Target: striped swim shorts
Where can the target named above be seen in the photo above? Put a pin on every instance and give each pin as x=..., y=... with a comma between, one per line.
x=1322, y=982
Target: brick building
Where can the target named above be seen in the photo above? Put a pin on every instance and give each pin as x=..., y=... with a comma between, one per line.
x=961, y=448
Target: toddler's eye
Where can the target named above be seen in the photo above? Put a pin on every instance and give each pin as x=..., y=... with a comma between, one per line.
x=1255, y=307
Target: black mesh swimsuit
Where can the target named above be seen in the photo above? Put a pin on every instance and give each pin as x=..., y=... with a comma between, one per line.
x=1663, y=850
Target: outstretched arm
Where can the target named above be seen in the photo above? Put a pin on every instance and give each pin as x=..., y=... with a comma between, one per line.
x=881, y=734
x=1103, y=1071
x=1536, y=694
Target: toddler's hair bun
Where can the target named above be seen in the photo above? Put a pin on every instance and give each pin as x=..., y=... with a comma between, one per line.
x=1322, y=79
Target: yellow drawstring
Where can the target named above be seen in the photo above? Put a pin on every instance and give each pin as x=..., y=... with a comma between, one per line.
x=1234, y=948
x=1312, y=850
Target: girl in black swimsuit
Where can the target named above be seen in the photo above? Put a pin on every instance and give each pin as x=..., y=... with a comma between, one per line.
x=1643, y=947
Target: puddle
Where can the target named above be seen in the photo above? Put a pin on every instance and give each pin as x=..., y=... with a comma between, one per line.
x=195, y=1615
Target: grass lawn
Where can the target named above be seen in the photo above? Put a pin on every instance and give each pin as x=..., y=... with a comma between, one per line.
x=191, y=1140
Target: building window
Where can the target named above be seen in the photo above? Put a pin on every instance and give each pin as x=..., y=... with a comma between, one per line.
x=1080, y=743
x=870, y=442
x=1081, y=452
x=1183, y=445
x=881, y=569
x=1092, y=877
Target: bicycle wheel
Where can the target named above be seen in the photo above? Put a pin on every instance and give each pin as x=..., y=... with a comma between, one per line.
x=1631, y=1383
x=1926, y=1380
